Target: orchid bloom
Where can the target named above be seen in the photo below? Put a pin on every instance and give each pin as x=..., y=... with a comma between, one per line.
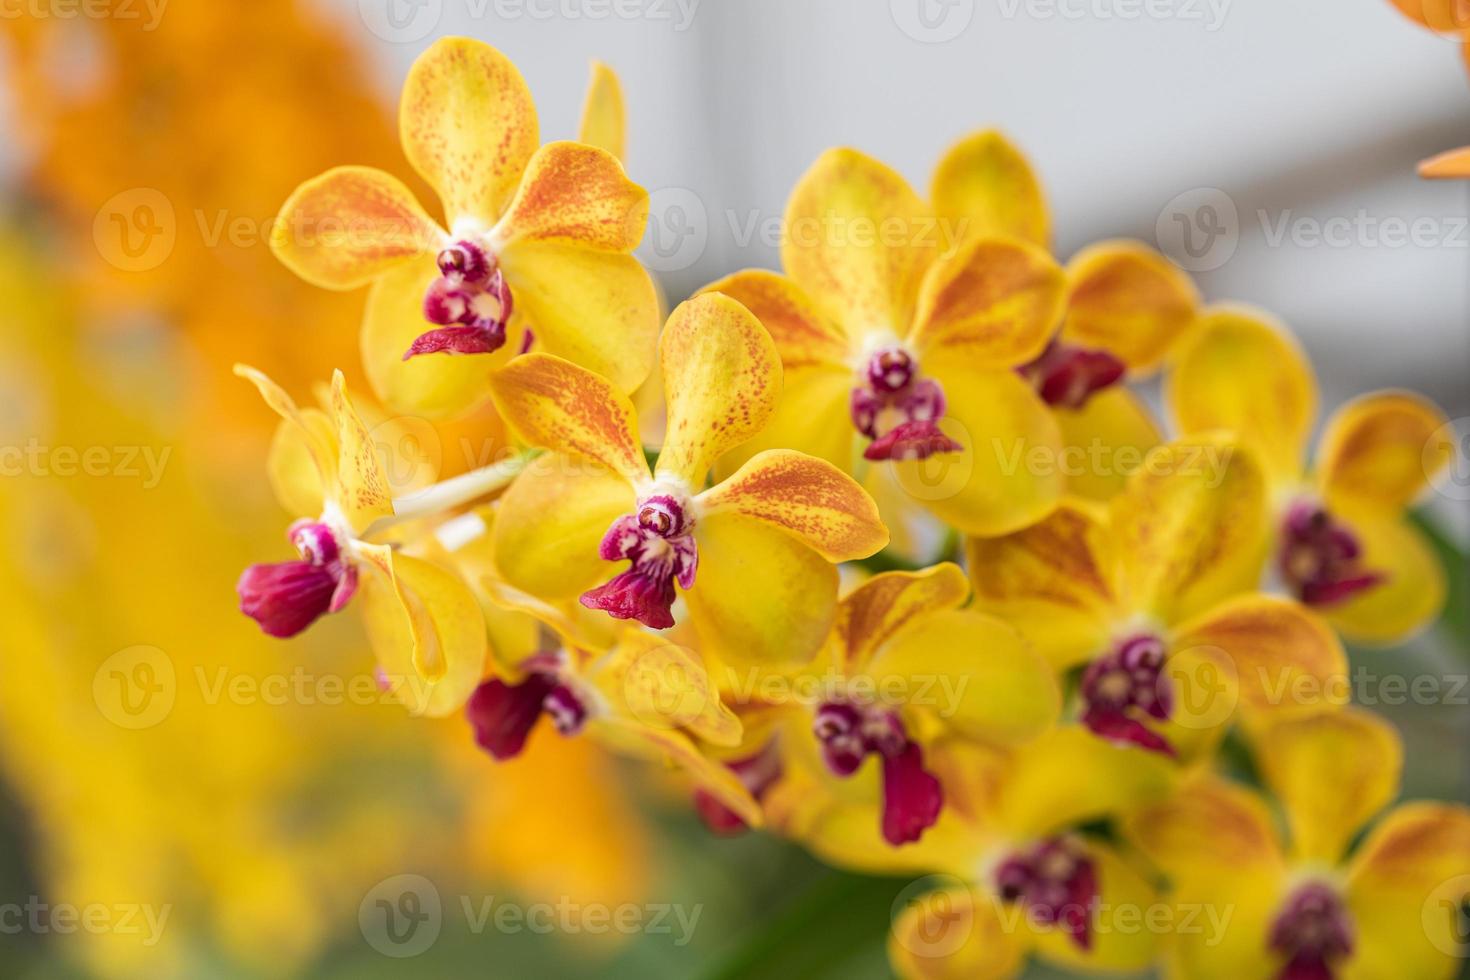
x=1126, y=308
x=635, y=692
x=1310, y=906
x=752, y=556
x=901, y=345
x=535, y=250
x=1025, y=879
x=1450, y=19
x=423, y=622
x=904, y=664
x=1342, y=544
x=1151, y=595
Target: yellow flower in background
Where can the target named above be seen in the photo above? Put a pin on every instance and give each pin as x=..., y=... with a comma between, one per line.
x=1448, y=18
x=900, y=345
x=1153, y=594
x=1341, y=543
x=904, y=666
x=1019, y=878
x=752, y=556
x=1309, y=904
x=1127, y=306
x=538, y=236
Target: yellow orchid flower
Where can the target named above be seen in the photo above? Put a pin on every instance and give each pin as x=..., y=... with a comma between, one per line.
x=900, y=345
x=1126, y=307
x=1342, y=544
x=424, y=624
x=904, y=665
x=1026, y=879
x=1303, y=908
x=762, y=542
x=1152, y=594
x=538, y=239
x=634, y=692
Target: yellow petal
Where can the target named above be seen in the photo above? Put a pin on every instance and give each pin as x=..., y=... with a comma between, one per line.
x=316, y=437
x=1240, y=371
x=660, y=745
x=293, y=473
x=1406, y=888
x=987, y=187
x=1122, y=940
x=1125, y=298
x=362, y=490
x=595, y=309
x=350, y=225
x=722, y=379
x=1382, y=449
x=993, y=301
x=1054, y=580
x=1450, y=165
x=468, y=126
x=664, y=686
x=881, y=606
x=1008, y=474
x=1413, y=589
x=1191, y=527
x=1070, y=776
x=1223, y=932
x=550, y=522
x=812, y=417
x=556, y=405
x=604, y=120
x=857, y=241
x=1285, y=658
x=760, y=596
x=1207, y=833
x=1332, y=771
x=806, y=496
x=973, y=673
x=955, y=933
x=434, y=386
x=803, y=336
x=1108, y=439
x=426, y=629
x=575, y=194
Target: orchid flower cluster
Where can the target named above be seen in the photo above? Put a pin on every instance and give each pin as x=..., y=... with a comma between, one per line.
x=853, y=592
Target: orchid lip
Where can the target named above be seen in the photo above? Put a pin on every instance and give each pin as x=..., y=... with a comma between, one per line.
x=503, y=714
x=849, y=732
x=1124, y=688
x=897, y=408
x=1320, y=557
x=1068, y=375
x=469, y=302
x=287, y=597
x=1055, y=882
x=1314, y=930
x=658, y=539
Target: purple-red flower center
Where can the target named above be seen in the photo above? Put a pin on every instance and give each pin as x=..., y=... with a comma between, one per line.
x=1320, y=558
x=1314, y=931
x=1066, y=376
x=1125, y=686
x=899, y=410
x=502, y=715
x=912, y=796
x=1056, y=883
x=470, y=302
x=658, y=538
x=286, y=597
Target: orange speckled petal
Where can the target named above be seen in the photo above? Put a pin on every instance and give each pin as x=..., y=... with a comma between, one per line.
x=805, y=496
x=468, y=126
x=722, y=380
x=1380, y=450
x=1125, y=298
x=362, y=492
x=577, y=195
x=879, y=607
x=987, y=188
x=803, y=336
